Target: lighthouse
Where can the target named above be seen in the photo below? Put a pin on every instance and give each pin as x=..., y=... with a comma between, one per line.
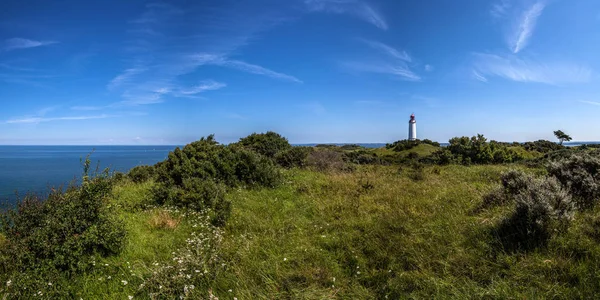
x=412, y=128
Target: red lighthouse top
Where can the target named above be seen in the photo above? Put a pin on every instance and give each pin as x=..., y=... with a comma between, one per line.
x=412, y=117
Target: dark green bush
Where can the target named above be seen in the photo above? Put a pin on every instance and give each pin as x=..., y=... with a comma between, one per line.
x=362, y=157
x=141, y=173
x=267, y=144
x=542, y=146
x=580, y=174
x=63, y=233
x=196, y=175
x=477, y=150
x=293, y=157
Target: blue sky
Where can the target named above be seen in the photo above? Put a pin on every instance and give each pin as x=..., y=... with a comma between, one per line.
x=138, y=72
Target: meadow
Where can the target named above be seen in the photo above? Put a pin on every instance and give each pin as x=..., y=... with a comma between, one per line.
x=332, y=223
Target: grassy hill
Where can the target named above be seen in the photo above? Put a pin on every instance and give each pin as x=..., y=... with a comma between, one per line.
x=367, y=232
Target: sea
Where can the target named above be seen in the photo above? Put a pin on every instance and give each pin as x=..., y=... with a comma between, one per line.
x=34, y=169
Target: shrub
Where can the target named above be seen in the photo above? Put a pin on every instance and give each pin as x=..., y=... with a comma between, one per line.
x=64, y=232
x=542, y=146
x=362, y=157
x=327, y=160
x=293, y=157
x=478, y=151
x=267, y=144
x=540, y=208
x=141, y=173
x=580, y=174
x=196, y=176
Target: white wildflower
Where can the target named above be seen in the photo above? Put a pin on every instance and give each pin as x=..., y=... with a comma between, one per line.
x=284, y=259
x=129, y=297
x=50, y=283
x=8, y=283
x=124, y=282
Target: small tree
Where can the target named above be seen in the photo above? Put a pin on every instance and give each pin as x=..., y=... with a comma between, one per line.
x=561, y=136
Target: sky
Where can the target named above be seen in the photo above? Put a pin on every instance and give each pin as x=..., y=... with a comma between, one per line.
x=316, y=71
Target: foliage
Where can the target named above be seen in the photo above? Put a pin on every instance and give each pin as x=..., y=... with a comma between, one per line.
x=327, y=160
x=540, y=206
x=580, y=174
x=64, y=233
x=478, y=151
x=195, y=175
x=542, y=146
x=402, y=145
x=294, y=157
x=362, y=157
x=267, y=144
x=561, y=136
x=141, y=173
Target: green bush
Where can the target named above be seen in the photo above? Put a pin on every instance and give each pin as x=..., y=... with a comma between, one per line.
x=477, y=150
x=362, y=157
x=542, y=146
x=63, y=233
x=141, y=173
x=196, y=175
x=293, y=157
x=580, y=174
x=267, y=144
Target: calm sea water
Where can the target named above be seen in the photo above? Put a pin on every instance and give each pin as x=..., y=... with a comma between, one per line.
x=35, y=168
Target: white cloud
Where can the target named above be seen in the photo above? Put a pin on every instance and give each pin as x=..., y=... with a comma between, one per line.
x=590, y=102
x=500, y=9
x=398, y=70
x=21, y=43
x=479, y=77
x=388, y=50
x=42, y=119
x=124, y=77
x=429, y=68
x=529, y=70
x=525, y=26
x=357, y=8
x=256, y=69
x=209, y=85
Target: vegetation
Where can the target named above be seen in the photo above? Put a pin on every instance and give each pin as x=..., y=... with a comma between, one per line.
x=561, y=136
x=257, y=219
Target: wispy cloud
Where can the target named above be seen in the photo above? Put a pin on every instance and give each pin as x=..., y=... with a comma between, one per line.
x=524, y=27
x=160, y=55
x=388, y=50
x=590, y=102
x=209, y=85
x=529, y=70
x=479, y=77
x=429, y=68
x=357, y=8
x=42, y=119
x=124, y=77
x=392, y=62
x=256, y=69
x=21, y=43
x=500, y=9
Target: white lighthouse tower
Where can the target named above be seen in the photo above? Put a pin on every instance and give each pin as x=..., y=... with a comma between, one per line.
x=412, y=128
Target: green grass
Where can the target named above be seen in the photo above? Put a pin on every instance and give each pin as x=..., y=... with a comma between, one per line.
x=369, y=234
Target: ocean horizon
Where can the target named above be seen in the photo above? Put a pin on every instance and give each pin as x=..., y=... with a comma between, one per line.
x=33, y=169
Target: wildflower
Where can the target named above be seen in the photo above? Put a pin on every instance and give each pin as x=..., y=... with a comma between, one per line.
x=197, y=271
x=358, y=272
x=230, y=290
x=124, y=282
x=333, y=279
x=109, y=277
x=284, y=259
x=8, y=283
x=50, y=283
x=129, y=297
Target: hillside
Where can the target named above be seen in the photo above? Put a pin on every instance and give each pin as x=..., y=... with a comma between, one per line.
x=367, y=232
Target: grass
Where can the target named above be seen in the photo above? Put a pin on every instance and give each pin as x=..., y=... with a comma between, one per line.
x=374, y=233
